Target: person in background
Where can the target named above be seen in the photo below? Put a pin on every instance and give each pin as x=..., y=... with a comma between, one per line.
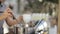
x=53, y=26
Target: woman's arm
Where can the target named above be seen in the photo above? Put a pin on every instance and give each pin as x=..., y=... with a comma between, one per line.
x=11, y=21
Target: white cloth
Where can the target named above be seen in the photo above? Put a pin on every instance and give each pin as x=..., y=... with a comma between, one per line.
x=5, y=27
x=42, y=25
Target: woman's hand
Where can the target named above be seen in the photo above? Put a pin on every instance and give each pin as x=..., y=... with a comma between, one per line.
x=6, y=13
x=9, y=11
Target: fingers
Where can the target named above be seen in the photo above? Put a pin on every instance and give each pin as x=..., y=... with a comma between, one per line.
x=8, y=12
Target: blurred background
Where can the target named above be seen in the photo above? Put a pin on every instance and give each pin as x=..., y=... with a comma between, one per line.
x=48, y=10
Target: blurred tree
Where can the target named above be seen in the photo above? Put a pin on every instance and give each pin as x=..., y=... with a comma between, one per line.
x=54, y=1
x=37, y=6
